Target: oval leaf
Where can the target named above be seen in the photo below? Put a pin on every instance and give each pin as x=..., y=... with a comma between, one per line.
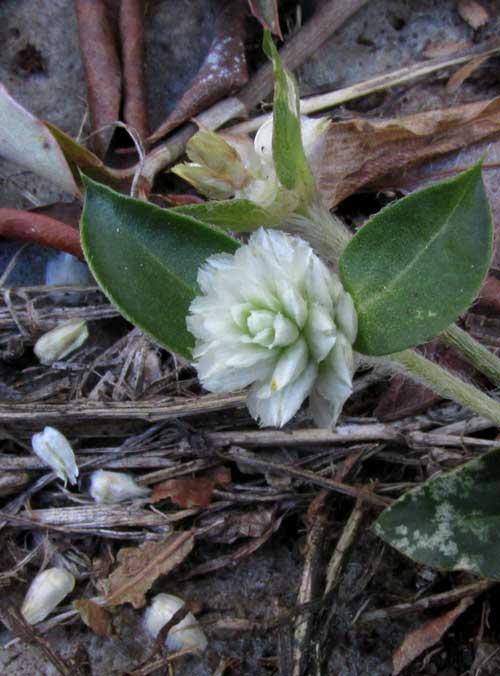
x=452, y=520
x=146, y=261
x=419, y=263
x=238, y=215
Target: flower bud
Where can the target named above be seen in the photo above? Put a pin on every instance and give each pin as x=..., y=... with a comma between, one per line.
x=185, y=634
x=216, y=169
x=109, y=487
x=59, y=342
x=46, y=591
x=53, y=448
x=273, y=316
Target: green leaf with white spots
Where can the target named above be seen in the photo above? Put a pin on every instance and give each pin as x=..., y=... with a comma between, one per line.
x=418, y=264
x=146, y=260
x=289, y=157
x=451, y=521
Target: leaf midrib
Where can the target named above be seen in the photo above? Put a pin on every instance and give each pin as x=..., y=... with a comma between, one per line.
x=373, y=299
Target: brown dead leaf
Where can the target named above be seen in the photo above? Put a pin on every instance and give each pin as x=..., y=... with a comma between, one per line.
x=191, y=492
x=94, y=616
x=140, y=567
x=223, y=72
x=227, y=528
x=360, y=152
x=473, y=13
x=425, y=636
x=488, y=301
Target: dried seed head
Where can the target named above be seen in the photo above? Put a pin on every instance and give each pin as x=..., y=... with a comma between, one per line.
x=59, y=342
x=109, y=487
x=53, y=448
x=185, y=634
x=46, y=591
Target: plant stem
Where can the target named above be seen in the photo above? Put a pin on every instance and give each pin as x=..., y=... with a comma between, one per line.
x=442, y=382
x=475, y=353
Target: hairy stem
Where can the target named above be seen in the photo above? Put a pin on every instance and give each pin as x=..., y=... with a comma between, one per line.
x=442, y=382
x=475, y=353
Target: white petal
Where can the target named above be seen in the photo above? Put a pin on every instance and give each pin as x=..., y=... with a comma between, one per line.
x=53, y=448
x=346, y=317
x=212, y=265
x=259, y=320
x=186, y=634
x=285, y=331
x=46, y=591
x=264, y=141
x=110, y=487
x=335, y=378
x=290, y=365
x=61, y=341
x=318, y=283
x=324, y=412
x=294, y=306
x=281, y=406
x=320, y=332
x=216, y=376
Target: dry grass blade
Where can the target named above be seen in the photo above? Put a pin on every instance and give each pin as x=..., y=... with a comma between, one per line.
x=139, y=567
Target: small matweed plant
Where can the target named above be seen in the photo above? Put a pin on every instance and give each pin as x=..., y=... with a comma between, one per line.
x=289, y=314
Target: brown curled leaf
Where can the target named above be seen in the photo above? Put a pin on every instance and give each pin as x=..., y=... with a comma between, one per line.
x=266, y=11
x=425, y=636
x=191, y=492
x=102, y=68
x=31, y=227
x=139, y=567
x=94, y=616
x=361, y=152
x=223, y=72
x=135, y=111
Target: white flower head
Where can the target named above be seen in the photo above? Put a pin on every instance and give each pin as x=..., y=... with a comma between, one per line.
x=53, y=448
x=110, y=487
x=273, y=316
x=46, y=591
x=185, y=634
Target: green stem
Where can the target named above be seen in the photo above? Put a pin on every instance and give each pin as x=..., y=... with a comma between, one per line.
x=443, y=383
x=475, y=353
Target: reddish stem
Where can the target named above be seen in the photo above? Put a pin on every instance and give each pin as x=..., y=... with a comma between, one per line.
x=41, y=229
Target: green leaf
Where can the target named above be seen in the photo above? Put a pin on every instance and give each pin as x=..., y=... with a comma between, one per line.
x=238, y=215
x=416, y=266
x=451, y=521
x=146, y=261
x=80, y=158
x=289, y=157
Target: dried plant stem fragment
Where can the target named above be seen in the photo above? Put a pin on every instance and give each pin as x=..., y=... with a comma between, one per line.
x=102, y=68
x=44, y=230
x=133, y=57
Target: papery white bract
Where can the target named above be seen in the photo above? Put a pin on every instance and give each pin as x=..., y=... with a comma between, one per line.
x=61, y=341
x=273, y=316
x=110, y=487
x=186, y=634
x=46, y=592
x=53, y=448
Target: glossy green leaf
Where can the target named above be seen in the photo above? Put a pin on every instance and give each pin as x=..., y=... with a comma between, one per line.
x=236, y=215
x=451, y=521
x=417, y=265
x=289, y=157
x=146, y=260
